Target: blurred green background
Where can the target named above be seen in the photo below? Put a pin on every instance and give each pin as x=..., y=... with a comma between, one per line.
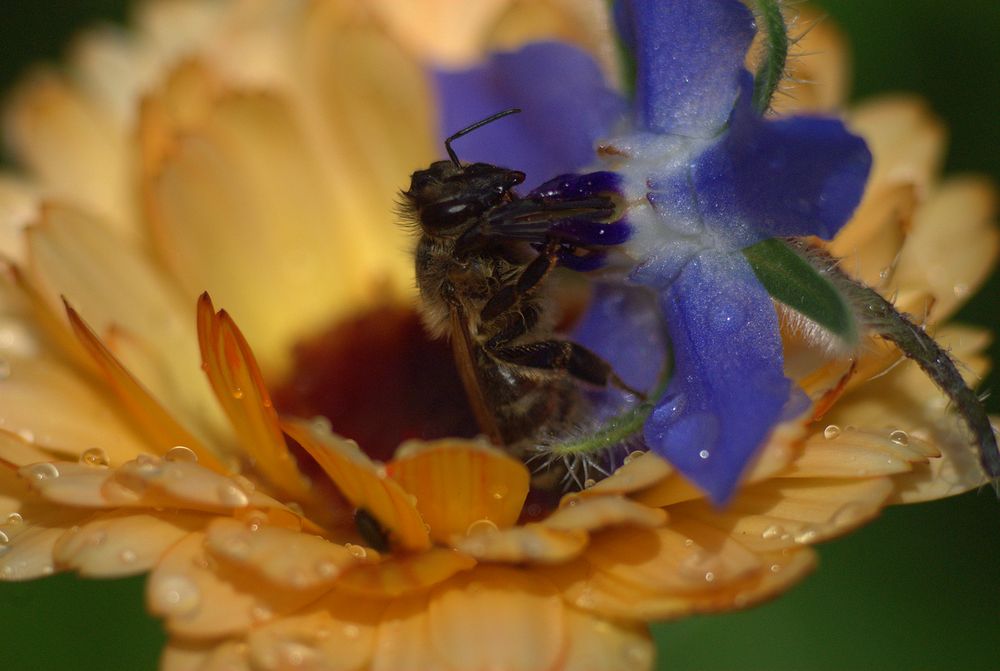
x=918, y=589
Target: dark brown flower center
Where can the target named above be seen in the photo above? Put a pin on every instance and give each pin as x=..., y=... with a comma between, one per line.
x=380, y=380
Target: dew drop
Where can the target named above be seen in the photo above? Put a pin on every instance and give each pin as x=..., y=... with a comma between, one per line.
x=900, y=437
x=499, y=491
x=237, y=392
x=806, y=534
x=127, y=556
x=231, y=495
x=481, y=526
x=704, y=454
x=773, y=531
x=960, y=290
x=589, y=482
x=181, y=453
x=775, y=568
x=27, y=435
x=632, y=456
x=42, y=471
x=15, y=519
x=321, y=424
x=94, y=456
x=356, y=550
x=669, y=409
x=176, y=595
x=709, y=576
x=4, y=539
x=831, y=432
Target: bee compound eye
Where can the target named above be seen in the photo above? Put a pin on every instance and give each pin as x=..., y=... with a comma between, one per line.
x=448, y=214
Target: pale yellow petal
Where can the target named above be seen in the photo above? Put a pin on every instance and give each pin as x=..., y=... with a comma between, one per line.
x=19, y=202
x=162, y=431
x=15, y=451
x=600, y=512
x=405, y=574
x=640, y=470
x=779, y=514
x=124, y=543
x=475, y=620
x=68, y=483
x=870, y=242
x=460, y=482
x=288, y=559
x=337, y=633
x=76, y=151
x=115, y=286
x=187, y=655
x=202, y=599
x=29, y=538
x=363, y=483
x=77, y=415
x=905, y=138
x=598, y=644
x=836, y=452
x=594, y=590
x=953, y=245
x=685, y=557
x=241, y=193
x=818, y=72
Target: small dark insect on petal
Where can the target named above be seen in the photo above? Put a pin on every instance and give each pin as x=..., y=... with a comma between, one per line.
x=371, y=531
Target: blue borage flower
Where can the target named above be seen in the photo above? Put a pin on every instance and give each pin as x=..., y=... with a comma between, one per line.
x=705, y=177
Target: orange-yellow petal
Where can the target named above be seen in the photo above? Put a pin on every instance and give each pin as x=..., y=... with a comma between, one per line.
x=233, y=373
x=404, y=574
x=457, y=483
x=122, y=543
x=288, y=559
x=163, y=431
x=497, y=618
x=402, y=637
x=779, y=513
x=202, y=599
x=598, y=644
x=363, y=483
x=337, y=633
x=532, y=543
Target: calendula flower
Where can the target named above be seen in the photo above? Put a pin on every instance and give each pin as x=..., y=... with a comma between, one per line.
x=254, y=150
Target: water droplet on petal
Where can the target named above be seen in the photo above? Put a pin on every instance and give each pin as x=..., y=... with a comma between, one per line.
x=237, y=392
x=356, y=550
x=27, y=435
x=94, y=456
x=176, y=595
x=669, y=409
x=960, y=289
x=15, y=519
x=127, y=556
x=806, y=534
x=498, y=491
x=481, y=526
x=181, y=453
x=632, y=456
x=4, y=539
x=773, y=531
x=589, y=482
x=831, y=432
x=704, y=454
x=42, y=471
x=900, y=437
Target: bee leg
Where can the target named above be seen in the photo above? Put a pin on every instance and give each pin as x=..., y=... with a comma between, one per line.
x=565, y=355
x=509, y=295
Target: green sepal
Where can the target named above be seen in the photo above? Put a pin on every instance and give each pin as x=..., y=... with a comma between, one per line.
x=792, y=280
x=771, y=69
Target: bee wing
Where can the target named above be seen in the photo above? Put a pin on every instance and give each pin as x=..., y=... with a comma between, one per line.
x=464, y=350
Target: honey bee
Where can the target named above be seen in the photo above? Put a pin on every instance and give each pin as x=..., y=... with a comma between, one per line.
x=481, y=263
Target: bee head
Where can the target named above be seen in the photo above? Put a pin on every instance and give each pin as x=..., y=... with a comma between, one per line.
x=449, y=198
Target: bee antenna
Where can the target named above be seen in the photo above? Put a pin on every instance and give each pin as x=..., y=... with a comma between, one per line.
x=468, y=129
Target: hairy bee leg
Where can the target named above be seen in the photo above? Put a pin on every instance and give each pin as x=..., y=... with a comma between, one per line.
x=509, y=295
x=565, y=355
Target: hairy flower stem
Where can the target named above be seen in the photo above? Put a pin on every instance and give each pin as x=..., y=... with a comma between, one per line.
x=877, y=315
x=772, y=65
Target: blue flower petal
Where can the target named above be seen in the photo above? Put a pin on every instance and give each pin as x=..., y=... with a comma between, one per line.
x=788, y=177
x=624, y=325
x=689, y=54
x=566, y=107
x=728, y=389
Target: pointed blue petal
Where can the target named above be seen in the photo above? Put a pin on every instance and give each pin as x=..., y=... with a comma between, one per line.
x=624, y=325
x=689, y=54
x=566, y=107
x=789, y=177
x=728, y=389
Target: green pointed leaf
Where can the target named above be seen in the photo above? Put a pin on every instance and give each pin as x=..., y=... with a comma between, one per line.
x=791, y=279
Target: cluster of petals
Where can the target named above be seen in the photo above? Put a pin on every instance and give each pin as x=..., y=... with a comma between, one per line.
x=253, y=149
